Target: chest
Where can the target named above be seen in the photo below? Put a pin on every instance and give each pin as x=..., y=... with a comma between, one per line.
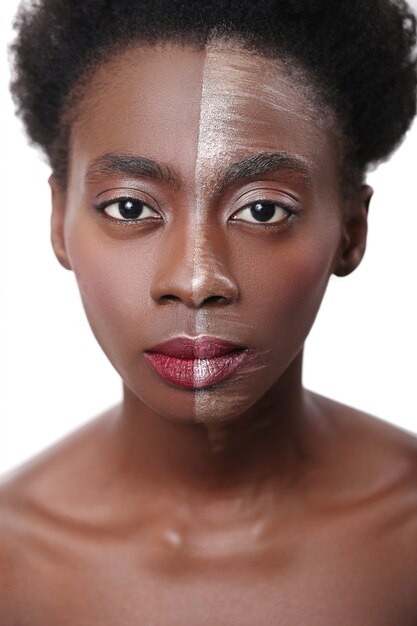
x=319, y=578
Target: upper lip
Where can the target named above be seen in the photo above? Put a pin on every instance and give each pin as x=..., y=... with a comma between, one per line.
x=202, y=347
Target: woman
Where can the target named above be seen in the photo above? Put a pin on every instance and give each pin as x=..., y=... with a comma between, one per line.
x=209, y=176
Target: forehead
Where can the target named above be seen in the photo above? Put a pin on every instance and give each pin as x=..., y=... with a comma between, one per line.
x=202, y=109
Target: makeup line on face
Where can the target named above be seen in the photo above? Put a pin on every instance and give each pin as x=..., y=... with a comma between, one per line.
x=227, y=81
x=222, y=242
x=213, y=360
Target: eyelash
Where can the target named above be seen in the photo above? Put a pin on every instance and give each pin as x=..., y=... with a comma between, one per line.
x=291, y=212
x=103, y=205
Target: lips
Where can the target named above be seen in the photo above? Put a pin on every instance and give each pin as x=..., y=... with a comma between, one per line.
x=195, y=363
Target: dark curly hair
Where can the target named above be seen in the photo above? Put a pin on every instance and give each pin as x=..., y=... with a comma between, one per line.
x=359, y=53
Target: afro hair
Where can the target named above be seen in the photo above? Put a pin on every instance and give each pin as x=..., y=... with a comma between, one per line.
x=360, y=54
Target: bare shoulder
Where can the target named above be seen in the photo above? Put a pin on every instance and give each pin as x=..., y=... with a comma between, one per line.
x=378, y=466
x=15, y=527
x=18, y=550
x=36, y=488
x=57, y=468
x=374, y=477
x=378, y=435
x=8, y=549
x=373, y=446
x=36, y=500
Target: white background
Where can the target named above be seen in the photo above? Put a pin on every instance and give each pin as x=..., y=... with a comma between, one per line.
x=54, y=376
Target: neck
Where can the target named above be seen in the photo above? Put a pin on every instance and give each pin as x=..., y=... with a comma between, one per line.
x=277, y=440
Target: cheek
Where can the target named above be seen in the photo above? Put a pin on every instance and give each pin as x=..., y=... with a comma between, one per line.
x=288, y=294
x=299, y=288
x=114, y=279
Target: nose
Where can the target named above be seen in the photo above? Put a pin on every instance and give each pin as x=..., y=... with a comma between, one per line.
x=192, y=269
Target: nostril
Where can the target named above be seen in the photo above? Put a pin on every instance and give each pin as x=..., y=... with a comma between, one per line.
x=214, y=299
x=169, y=298
x=172, y=298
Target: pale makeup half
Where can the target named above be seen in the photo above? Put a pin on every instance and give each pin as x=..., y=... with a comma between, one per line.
x=233, y=79
x=209, y=115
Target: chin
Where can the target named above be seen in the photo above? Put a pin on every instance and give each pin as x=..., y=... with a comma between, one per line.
x=223, y=403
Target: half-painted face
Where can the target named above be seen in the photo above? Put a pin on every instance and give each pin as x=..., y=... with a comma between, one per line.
x=203, y=201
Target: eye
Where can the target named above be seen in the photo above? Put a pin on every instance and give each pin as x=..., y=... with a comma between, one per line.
x=127, y=210
x=262, y=212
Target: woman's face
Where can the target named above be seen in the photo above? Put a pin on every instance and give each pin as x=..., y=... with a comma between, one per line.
x=203, y=200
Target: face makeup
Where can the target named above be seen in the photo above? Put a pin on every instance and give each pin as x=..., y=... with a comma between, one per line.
x=196, y=363
x=235, y=83
x=239, y=230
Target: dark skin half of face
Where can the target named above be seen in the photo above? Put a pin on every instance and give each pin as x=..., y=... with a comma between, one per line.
x=256, y=500
x=259, y=285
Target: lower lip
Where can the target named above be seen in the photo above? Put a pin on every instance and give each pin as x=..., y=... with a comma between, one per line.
x=196, y=373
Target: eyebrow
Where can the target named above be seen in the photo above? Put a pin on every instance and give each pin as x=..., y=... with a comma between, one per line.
x=262, y=163
x=145, y=167
x=134, y=165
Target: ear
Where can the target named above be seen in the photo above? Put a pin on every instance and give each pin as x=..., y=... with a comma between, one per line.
x=354, y=232
x=57, y=222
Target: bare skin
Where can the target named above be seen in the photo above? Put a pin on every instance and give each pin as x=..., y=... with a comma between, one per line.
x=176, y=507
x=86, y=539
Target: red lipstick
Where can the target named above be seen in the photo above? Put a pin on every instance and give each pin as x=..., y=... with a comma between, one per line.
x=195, y=363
